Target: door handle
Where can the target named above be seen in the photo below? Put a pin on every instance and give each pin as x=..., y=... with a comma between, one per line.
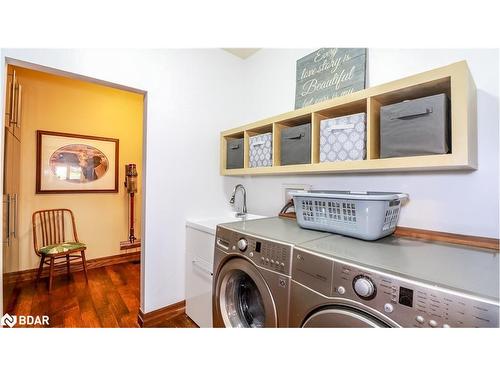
x=13, y=109
x=18, y=106
x=7, y=201
x=11, y=103
x=12, y=98
x=14, y=232
x=201, y=266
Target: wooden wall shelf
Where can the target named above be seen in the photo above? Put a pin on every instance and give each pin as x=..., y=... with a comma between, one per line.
x=455, y=80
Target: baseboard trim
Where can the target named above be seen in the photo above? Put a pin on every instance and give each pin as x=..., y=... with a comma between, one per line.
x=127, y=245
x=151, y=319
x=30, y=275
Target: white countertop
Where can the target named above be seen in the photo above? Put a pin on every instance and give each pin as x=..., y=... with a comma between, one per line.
x=208, y=225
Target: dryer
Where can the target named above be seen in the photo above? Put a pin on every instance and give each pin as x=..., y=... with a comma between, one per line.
x=344, y=282
x=252, y=267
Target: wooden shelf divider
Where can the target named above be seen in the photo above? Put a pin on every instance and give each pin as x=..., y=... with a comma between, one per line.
x=276, y=144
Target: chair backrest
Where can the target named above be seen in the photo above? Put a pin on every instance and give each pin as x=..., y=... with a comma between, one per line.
x=52, y=227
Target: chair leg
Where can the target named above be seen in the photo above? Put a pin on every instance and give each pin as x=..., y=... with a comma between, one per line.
x=51, y=273
x=40, y=268
x=68, y=266
x=84, y=262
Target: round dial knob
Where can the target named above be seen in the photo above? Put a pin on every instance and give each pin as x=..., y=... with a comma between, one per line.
x=242, y=244
x=364, y=287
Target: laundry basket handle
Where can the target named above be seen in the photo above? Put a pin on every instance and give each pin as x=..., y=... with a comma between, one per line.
x=403, y=196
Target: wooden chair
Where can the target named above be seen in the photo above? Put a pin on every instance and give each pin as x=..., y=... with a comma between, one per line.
x=49, y=227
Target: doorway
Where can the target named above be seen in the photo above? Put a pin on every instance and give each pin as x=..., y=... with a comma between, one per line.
x=79, y=114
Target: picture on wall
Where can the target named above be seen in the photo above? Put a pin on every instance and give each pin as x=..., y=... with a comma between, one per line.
x=73, y=163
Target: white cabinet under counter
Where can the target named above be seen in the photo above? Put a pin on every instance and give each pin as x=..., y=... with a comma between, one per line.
x=199, y=264
x=200, y=240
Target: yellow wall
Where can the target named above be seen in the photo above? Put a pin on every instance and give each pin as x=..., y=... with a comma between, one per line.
x=67, y=105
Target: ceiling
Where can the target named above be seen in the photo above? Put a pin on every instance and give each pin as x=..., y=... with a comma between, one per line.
x=242, y=52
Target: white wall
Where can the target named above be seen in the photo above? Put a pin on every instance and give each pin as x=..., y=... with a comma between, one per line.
x=191, y=96
x=458, y=202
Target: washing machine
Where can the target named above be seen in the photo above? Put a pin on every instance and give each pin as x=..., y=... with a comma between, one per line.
x=393, y=282
x=252, y=267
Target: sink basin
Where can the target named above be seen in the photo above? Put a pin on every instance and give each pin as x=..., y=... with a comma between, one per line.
x=246, y=217
x=209, y=225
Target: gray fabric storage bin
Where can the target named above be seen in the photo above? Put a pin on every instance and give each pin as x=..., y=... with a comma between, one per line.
x=415, y=127
x=296, y=145
x=234, y=157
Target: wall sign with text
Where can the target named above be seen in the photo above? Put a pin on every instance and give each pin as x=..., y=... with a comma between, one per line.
x=328, y=73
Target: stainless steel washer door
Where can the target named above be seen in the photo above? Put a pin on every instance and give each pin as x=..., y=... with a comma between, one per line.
x=342, y=317
x=243, y=297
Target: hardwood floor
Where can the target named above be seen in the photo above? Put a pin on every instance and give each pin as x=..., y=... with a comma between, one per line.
x=111, y=299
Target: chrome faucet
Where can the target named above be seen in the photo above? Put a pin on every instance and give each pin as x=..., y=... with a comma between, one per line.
x=244, y=212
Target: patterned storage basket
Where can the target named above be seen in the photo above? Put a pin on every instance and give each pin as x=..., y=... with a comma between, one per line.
x=343, y=138
x=261, y=150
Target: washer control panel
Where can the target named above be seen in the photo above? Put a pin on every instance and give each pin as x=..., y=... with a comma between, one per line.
x=267, y=254
x=409, y=303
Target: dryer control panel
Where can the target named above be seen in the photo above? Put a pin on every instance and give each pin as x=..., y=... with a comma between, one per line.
x=411, y=303
x=265, y=253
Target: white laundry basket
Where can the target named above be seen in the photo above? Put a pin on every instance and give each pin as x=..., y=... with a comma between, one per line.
x=365, y=215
